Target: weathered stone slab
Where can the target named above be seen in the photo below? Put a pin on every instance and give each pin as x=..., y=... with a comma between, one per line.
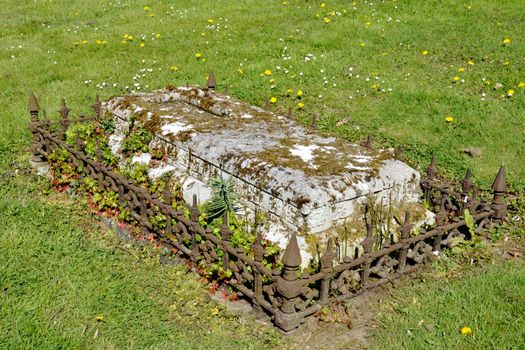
x=297, y=175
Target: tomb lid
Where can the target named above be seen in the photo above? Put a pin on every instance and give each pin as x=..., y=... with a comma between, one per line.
x=295, y=163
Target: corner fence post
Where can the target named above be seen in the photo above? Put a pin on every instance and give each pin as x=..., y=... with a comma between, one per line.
x=289, y=287
x=33, y=109
x=499, y=187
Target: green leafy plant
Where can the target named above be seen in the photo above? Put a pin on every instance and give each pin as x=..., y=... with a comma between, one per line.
x=223, y=200
x=137, y=141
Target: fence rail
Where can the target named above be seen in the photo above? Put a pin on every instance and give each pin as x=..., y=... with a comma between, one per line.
x=287, y=295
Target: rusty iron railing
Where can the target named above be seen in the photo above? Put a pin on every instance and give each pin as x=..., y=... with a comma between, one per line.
x=287, y=295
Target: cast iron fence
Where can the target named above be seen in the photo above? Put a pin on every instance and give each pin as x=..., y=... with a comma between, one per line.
x=287, y=295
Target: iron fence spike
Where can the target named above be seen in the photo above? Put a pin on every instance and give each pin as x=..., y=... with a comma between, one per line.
x=292, y=255
x=33, y=103
x=500, y=182
x=212, y=84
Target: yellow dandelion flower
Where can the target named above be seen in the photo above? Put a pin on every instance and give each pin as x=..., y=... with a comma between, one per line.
x=521, y=85
x=461, y=70
x=362, y=44
x=77, y=43
x=322, y=5
x=99, y=318
x=157, y=36
x=210, y=20
x=456, y=78
x=85, y=42
x=300, y=105
x=152, y=15
x=488, y=82
x=506, y=62
x=465, y=330
x=289, y=91
x=203, y=59
x=142, y=44
x=273, y=100
x=271, y=81
x=146, y=8
x=198, y=55
x=240, y=71
x=506, y=41
x=267, y=72
x=174, y=68
x=98, y=42
x=327, y=20
x=449, y=119
x=203, y=34
x=374, y=87
x=299, y=93
x=470, y=63
x=510, y=93
x=424, y=52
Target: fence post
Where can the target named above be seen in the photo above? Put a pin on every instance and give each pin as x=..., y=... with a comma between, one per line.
x=33, y=109
x=195, y=214
x=427, y=185
x=289, y=287
x=441, y=217
x=466, y=187
x=258, y=252
x=405, y=233
x=327, y=262
x=225, y=235
x=367, y=244
x=500, y=187
x=97, y=106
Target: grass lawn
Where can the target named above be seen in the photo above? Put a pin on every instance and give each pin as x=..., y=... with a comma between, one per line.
x=396, y=69
x=491, y=303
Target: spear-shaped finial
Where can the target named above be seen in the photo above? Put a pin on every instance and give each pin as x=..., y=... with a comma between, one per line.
x=315, y=116
x=33, y=106
x=431, y=170
x=292, y=255
x=97, y=106
x=267, y=104
x=328, y=257
x=212, y=84
x=466, y=183
x=500, y=182
x=368, y=142
x=64, y=110
x=406, y=227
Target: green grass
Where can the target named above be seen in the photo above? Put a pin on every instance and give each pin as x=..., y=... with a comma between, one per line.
x=430, y=315
x=57, y=273
x=38, y=52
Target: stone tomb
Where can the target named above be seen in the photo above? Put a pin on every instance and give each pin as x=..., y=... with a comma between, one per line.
x=300, y=178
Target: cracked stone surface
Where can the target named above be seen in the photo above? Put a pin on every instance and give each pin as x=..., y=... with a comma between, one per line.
x=300, y=177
